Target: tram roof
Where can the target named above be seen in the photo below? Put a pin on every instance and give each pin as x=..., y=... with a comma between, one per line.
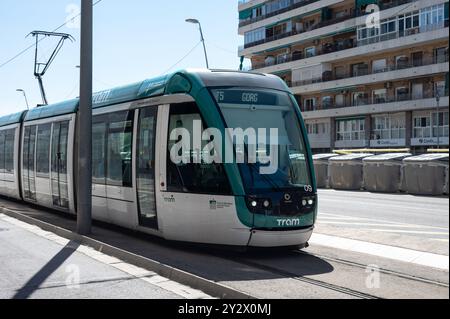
x=11, y=119
x=178, y=82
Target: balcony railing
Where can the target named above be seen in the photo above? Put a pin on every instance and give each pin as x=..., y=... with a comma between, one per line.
x=385, y=6
x=324, y=49
x=350, y=44
x=373, y=101
x=328, y=77
x=274, y=13
x=295, y=32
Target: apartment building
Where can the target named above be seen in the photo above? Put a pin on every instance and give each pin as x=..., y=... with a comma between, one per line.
x=363, y=78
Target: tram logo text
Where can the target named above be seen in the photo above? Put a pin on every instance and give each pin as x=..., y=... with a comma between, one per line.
x=288, y=222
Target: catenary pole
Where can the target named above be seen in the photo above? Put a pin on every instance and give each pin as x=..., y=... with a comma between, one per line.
x=84, y=123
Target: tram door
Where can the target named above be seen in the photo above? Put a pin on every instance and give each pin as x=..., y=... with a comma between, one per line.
x=60, y=192
x=145, y=168
x=28, y=171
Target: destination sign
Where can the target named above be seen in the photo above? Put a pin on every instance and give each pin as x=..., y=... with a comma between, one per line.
x=246, y=97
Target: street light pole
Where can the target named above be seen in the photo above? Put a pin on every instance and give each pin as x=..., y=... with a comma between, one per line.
x=438, y=99
x=84, y=123
x=195, y=21
x=25, y=96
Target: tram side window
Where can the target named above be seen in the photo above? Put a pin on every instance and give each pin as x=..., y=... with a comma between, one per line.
x=7, y=151
x=119, y=153
x=189, y=177
x=43, y=150
x=98, y=151
x=2, y=151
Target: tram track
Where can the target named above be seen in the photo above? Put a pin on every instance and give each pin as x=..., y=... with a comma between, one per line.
x=326, y=285
x=381, y=270
x=310, y=281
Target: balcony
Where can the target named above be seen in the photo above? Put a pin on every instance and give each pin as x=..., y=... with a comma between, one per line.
x=274, y=13
x=295, y=32
x=328, y=77
x=349, y=44
x=325, y=49
x=406, y=102
x=385, y=6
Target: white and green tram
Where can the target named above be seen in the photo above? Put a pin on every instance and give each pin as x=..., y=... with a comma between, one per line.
x=136, y=182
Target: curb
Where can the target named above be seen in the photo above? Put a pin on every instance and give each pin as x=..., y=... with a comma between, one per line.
x=207, y=286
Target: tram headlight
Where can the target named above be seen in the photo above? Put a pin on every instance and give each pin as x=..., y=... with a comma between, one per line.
x=259, y=205
x=310, y=202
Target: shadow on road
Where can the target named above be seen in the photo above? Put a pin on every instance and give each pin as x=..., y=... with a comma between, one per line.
x=46, y=271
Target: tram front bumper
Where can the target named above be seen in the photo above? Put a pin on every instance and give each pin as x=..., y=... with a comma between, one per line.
x=263, y=238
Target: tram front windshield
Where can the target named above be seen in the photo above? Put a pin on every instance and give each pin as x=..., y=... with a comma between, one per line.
x=260, y=109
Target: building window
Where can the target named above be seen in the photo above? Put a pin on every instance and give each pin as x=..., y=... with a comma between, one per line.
x=360, y=98
x=340, y=100
x=340, y=72
x=327, y=102
x=387, y=127
x=310, y=52
x=439, y=88
x=360, y=69
x=408, y=23
x=442, y=121
x=351, y=130
x=422, y=126
x=401, y=62
x=318, y=128
x=379, y=96
x=255, y=35
x=431, y=17
x=425, y=125
x=402, y=93
x=379, y=66
x=309, y=104
x=441, y=55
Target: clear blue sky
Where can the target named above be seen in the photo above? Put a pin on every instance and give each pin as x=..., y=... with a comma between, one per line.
x=133, y=40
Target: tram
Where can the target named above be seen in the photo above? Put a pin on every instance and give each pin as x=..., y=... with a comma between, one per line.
x=136, y=183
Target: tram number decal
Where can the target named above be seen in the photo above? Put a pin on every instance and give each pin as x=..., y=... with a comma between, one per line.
x=308, y=188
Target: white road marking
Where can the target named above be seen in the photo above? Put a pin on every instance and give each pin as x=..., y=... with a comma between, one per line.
x=409, y=231
x=140, y=273
x=385, y=251
x=440, y=239
x=379, y=225
x=339, y=217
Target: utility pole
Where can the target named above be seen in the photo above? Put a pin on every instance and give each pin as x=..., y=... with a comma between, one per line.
x=84, y=123
x=25, y=96
x=195, y=21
